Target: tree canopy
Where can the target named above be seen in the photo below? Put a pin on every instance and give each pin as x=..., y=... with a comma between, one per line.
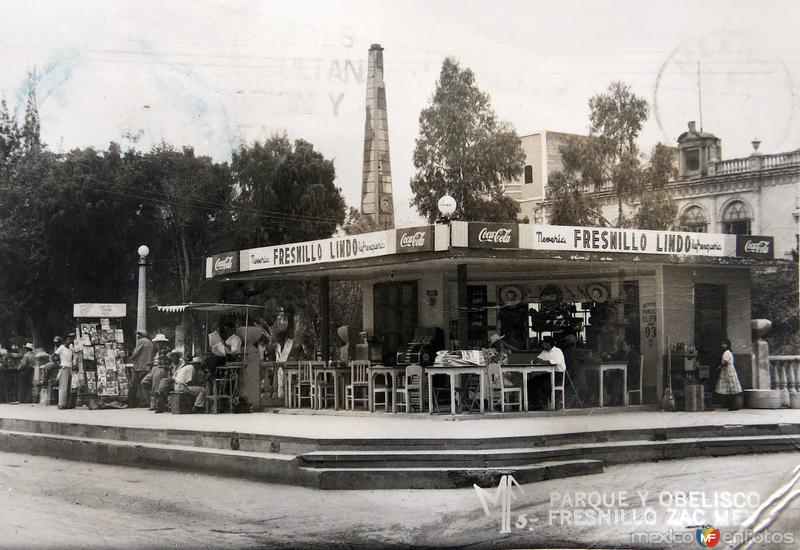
x=70, y=223
x=463, y=150
x=609, y=160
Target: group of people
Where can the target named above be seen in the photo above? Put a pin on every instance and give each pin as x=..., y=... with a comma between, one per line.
x=157, y=372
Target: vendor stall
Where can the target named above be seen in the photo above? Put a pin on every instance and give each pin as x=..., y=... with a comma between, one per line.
x=99, y=339
x=610, y=298
x=237, y=378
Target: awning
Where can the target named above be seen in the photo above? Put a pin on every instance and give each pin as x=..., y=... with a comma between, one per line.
x=206, y=306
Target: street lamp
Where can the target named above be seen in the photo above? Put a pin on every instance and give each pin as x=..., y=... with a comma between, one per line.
x=141, y=306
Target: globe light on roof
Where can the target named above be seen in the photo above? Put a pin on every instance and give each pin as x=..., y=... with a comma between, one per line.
x=447, y=205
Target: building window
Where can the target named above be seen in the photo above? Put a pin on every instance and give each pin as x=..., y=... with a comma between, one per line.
x=691, y=159
x=528, y=174
x=736, y=219
x=694, y=219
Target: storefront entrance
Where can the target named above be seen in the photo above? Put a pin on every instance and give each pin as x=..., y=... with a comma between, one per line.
x=709, y=323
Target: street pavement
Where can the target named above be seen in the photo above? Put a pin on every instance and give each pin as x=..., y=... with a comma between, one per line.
x=328, y=424
x=52, y=503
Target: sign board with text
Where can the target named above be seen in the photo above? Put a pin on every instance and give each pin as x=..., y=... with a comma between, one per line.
x=415, y=239
x=628, y=241
x=753, y=246
x=99, y=310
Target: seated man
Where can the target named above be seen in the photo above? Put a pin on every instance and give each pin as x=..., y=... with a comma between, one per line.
x=151, y=383
x=233, y=343
x=539, y=385
x=188, y=380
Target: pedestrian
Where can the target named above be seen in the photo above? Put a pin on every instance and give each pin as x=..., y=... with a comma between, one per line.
x=728, y=382
x=25, y=374
x=142, y=357
x=64, y=373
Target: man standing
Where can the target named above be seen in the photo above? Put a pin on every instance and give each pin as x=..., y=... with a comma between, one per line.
x=64, y=351
x=187, y=380
x=142, y=363
x=25, y=374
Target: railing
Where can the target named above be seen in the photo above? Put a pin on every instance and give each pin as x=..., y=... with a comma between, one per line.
x=784, y=372
x=763, y=162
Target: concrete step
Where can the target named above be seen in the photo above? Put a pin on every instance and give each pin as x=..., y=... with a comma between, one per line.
x=299, y=445
x=613, y=452
x=449, y=477
x=266, y=467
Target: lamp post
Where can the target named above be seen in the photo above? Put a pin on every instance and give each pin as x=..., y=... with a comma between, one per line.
x=141, y=305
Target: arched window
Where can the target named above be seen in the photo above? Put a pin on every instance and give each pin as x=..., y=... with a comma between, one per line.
x=736, y=219
x=694, y=219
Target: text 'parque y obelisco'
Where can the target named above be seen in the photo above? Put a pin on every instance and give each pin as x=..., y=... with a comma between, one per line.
x=377, y=204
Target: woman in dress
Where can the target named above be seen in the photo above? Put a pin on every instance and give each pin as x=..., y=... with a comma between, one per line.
x=728, y=382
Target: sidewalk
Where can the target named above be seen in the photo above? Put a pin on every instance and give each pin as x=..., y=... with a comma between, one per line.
x=383, y=425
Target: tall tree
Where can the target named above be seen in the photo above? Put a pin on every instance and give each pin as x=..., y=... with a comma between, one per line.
x=610, y=160
x=286, y=194
x=463, y=150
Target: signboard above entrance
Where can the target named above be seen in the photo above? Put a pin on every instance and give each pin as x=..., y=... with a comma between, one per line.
x=627, y=241
x=753, y=246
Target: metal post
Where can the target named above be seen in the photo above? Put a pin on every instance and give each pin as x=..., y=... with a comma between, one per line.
x=463, y=315
x=324, y=307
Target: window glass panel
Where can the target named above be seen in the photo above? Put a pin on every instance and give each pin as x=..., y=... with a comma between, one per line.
x=528, y=174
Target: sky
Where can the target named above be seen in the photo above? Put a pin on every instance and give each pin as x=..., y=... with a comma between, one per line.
x=215, y=74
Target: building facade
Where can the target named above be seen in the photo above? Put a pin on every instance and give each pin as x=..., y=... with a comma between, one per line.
x=756, y=195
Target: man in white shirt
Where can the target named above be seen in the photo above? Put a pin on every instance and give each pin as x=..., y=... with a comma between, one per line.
x=539, y=385
x=64, y=352
x=552, y=354
x=233, y=344
x=187, y=380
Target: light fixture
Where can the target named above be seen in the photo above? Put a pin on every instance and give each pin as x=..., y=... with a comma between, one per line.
x=447, y=205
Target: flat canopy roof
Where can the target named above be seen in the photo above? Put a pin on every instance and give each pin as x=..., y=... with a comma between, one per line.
x=206, y=306
x=490, y=250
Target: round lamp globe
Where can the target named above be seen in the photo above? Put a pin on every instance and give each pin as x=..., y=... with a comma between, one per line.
x=143, y=251
x=447, y=205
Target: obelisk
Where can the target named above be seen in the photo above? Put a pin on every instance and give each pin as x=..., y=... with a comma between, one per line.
x=377, y=204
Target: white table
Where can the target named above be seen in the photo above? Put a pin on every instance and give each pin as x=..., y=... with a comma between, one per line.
x=454, y=372
x=602, y=368
x=527, y=368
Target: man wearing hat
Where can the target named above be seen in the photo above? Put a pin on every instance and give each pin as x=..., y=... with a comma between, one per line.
x=25, y=374
x=188, y=380
x=142, y=357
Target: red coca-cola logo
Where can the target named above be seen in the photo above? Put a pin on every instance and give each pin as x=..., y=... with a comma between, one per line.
x=223, y=263
x=412, y=240
x=757, y=247
x=497, y=236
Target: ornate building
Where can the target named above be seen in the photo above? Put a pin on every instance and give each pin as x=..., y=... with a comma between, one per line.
x=757, y=195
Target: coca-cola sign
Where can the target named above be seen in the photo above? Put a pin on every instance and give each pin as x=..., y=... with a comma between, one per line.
x=754, y=246
x=224, y=263
x=493, y=235
x=415, y=239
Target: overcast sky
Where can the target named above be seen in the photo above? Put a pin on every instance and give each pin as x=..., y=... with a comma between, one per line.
x=211, y=74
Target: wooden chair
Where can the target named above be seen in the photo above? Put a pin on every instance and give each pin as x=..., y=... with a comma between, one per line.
x=411, y=391
x=384, y=389
x=359, y=380
x=305, y=380
x=324, y=389
x=497, y=388
x=560, y=388
x=639, y=389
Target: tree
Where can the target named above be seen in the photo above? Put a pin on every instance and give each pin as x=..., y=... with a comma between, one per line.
x=462, y=149
x=287, y=194
x=609, y=160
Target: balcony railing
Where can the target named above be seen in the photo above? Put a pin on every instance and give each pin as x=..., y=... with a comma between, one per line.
x=760, y=162
x=784, y=372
